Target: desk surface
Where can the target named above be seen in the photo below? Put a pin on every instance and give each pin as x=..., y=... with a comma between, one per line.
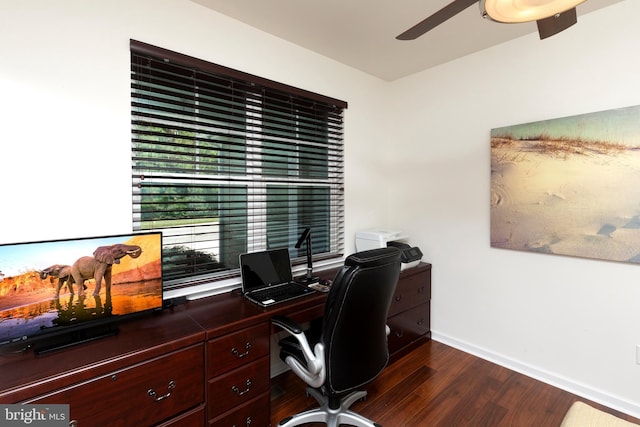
x=231, y=311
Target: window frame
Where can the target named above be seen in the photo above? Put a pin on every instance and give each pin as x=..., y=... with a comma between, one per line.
x=289, y=125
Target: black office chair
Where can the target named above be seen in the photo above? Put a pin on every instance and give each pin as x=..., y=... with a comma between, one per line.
x=349, y=348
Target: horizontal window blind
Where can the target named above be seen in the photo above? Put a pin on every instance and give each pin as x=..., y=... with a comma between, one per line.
x=225, y=162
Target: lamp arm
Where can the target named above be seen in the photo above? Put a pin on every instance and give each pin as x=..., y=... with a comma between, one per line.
x=309, y=258
x=305, y=238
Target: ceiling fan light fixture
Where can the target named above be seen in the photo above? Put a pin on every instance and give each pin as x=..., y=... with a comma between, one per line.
x=514, y=11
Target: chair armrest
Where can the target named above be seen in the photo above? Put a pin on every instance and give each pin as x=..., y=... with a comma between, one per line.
x=287, y=324
x=314, y=371
x=296, y=331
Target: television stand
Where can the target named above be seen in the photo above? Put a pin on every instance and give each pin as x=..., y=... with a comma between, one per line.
x=75, y=337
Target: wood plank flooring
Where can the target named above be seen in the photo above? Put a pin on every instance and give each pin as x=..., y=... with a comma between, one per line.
x=437, y=385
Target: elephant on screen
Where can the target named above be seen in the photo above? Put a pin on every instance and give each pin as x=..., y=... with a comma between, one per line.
x=99, y=265
x=63, y=273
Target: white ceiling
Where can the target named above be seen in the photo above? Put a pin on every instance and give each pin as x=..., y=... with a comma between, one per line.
x=361, y=33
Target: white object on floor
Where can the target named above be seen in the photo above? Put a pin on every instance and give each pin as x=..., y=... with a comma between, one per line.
x=582, y=415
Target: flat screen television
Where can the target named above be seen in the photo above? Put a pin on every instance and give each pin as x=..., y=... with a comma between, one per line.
x=60, y=292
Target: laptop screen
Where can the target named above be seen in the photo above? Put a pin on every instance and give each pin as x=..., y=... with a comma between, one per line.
x=265, y=268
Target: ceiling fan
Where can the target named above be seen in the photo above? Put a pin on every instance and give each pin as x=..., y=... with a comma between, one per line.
x=552, y=16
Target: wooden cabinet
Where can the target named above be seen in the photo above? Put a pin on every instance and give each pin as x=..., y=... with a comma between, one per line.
x=142, y=394
x=238, y=338
x=194, y=417
x=229, y=392
x=410, y=311
x=237, y=349
x=238, y=377
x=253, y=413
x=150, y=374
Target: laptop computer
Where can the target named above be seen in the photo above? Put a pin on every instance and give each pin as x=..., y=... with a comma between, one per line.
x=267, y=277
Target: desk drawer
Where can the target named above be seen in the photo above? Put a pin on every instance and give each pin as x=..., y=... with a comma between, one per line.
x=192, y=418
x=140, y=395
x=237, y=349
x=408, y=326
x=253, y=414
x=237, y=387
x=411, y=291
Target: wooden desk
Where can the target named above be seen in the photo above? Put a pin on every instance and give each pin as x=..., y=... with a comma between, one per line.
x=237, y=347
x=205, y=362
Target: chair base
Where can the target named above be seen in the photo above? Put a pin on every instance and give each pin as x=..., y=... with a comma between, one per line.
x=331, y=417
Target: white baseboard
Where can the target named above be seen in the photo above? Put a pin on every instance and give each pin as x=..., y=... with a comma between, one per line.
x=560, y=382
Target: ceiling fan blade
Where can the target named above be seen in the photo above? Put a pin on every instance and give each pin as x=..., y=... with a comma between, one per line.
x=556, y=23
x=447, y=12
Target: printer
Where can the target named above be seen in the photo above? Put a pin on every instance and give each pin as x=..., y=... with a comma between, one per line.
x=373, y=239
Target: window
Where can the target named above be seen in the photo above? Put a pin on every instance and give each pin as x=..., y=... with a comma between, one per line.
x=224, y=162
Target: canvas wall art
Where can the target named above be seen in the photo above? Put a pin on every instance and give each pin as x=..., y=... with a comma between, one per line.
x=569, y=186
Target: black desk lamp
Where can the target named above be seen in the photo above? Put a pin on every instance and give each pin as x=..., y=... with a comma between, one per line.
x=308, y=278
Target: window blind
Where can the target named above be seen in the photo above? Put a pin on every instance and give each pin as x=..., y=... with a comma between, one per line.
x=224, y=162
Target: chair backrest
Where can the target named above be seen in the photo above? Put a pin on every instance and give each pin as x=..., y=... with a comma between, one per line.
x=354, y=325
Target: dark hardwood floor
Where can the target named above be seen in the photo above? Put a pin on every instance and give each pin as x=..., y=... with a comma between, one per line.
x=437, y=385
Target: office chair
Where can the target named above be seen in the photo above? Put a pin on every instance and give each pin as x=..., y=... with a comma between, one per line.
x=349, y=344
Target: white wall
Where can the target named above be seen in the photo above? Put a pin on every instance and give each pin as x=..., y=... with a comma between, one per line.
x=572, y=322
x=65, y=162
x=65, y=109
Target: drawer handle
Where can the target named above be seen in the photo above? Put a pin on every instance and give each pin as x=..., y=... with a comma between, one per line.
x=420, y=322
x=399, y=334
x=152, y=393
x=239, y=355
x=399, y=297
x=421, y=289
x=247, y=422
x=237, y=391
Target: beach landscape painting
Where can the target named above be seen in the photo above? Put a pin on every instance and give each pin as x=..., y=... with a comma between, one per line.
x=569, y=186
